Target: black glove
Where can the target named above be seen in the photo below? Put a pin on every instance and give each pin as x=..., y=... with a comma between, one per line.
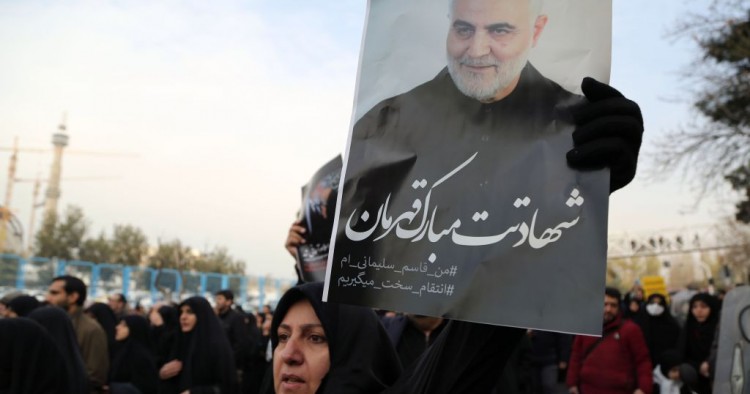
x=608, y=133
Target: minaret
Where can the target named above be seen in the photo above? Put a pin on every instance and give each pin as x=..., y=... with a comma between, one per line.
x=59, y=141
x=11, y=174
x=5, y=213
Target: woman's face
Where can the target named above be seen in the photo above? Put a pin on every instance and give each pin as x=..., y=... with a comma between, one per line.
x=155, y=318
x=187, y=318
x=301, y=359
x=122, y=331
x=700, y=311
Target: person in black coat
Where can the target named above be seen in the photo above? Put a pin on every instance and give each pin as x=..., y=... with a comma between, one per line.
x=31, y=362
x=202, y=361
x=163, y=332
x=697, y=338
x=106, y=318
x=133, y=368
x=550, y=352
x=165, y=327
x=660, y=329
x=58, y=324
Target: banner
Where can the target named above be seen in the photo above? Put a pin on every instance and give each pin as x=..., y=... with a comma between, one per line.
x=457, y=200
x=316, y=214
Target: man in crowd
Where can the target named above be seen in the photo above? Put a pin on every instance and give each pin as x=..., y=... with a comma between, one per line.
x=69, y=293
x=618, y=362
x=119, y=305
x=234, y=326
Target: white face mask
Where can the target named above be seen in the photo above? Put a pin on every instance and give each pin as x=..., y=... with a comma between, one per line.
x=654, y=309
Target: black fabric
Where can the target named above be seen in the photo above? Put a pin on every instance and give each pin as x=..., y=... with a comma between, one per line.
x=661, y=332
x=31, y=361
x=163, y=340
x=234, y=326
x=255, y=360
x=58, y=324
x=362, y=358
x=696, y=339
x=207, y=359
x=465, y=358
x=163, y=337
x=23, y=305
x=106, y=318
x=413, y=342
x=133, y=362
x=625, y=306
x=550, y=348
x=609, y=130
x=668, y=360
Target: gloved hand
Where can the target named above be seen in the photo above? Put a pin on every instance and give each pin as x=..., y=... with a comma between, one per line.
x=608, y=133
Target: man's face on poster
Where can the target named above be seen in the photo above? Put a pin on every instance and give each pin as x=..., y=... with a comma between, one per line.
x=488, y=45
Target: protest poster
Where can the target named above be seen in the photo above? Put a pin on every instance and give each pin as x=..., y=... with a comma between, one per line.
x=456, y=198
x=316, y=214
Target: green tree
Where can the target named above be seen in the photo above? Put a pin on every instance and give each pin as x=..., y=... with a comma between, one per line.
x=172, y=254
x=62, y=238
x=129, y=245
x=96, y=250
x=715, y=146
x=218, y=260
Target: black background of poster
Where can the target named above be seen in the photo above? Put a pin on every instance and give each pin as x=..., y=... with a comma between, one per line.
x=317, y=213
x=558, y=287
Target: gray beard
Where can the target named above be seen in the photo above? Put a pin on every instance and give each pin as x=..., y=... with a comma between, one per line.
x=483, y=88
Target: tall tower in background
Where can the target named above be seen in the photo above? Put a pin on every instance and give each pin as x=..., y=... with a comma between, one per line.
x=59, y=141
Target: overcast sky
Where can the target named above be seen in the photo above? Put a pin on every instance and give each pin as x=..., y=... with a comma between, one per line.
x=232, y=105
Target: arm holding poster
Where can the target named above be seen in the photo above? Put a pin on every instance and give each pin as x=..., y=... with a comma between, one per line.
x=609, y=133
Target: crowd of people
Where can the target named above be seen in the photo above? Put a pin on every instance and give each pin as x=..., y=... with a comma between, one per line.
x=109, y=348
x=65, y=345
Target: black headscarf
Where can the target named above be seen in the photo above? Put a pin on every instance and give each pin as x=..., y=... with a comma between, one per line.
x=163, y=337
x=207, y=358
x=661, y=332
x=668, y=360
x=106, y=318
x=698, y=337
x=31, y=361
x=170, y=316
x=58, y=324
x=362, y=357
x=23, y=305
x=133, y=361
